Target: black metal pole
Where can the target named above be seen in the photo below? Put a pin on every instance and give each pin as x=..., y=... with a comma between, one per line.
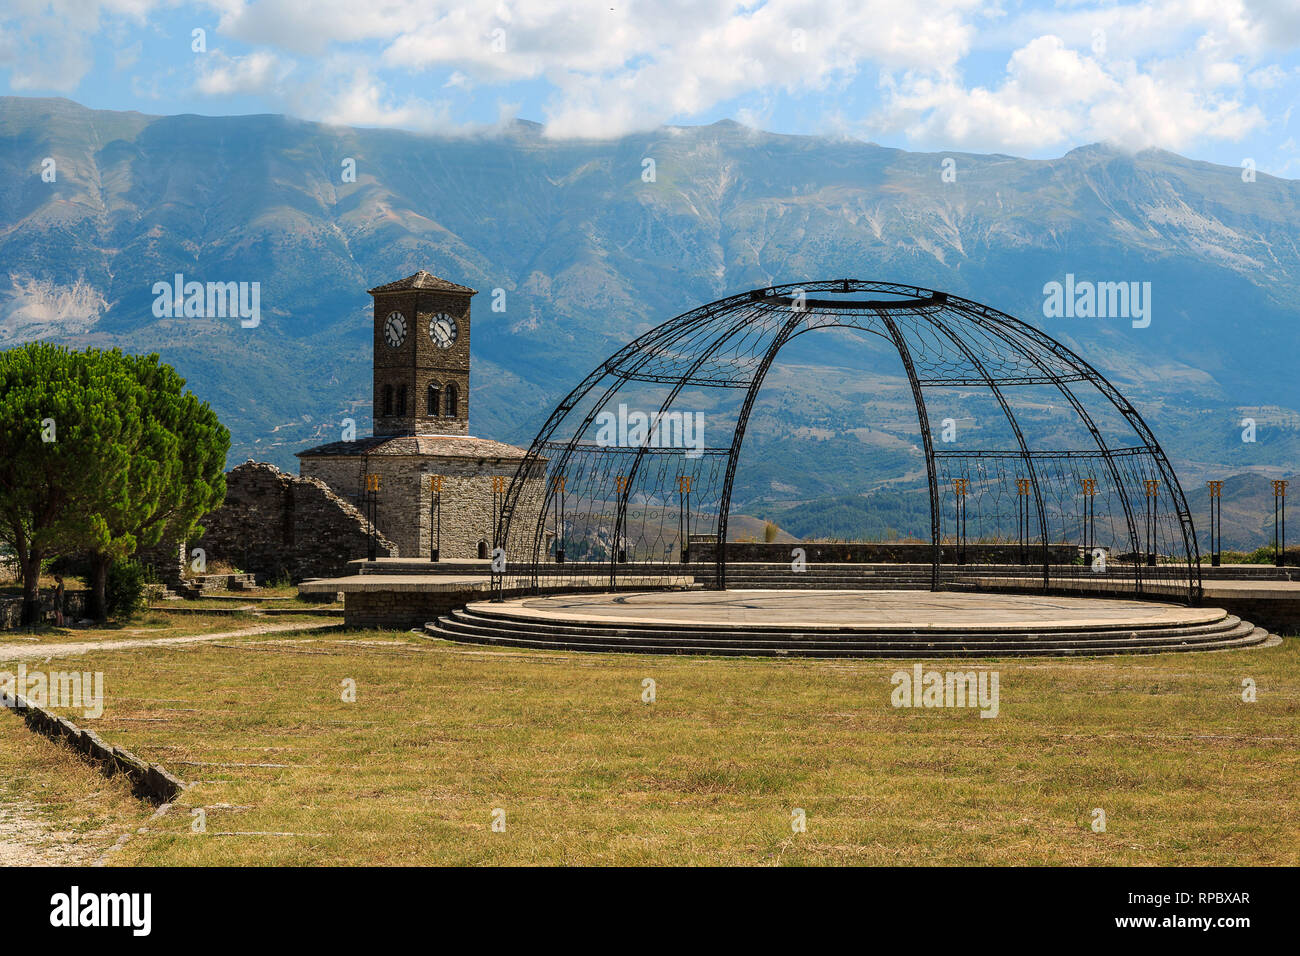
x=1217, y=527
x=1022, y=521
x=1024, y=529
x=1216, y=523
x=1152, y=492
x=962, y=552
x=372, y=551
x=559, y=516
x=684, y=518
x=1213, y=550
x=1279, y=523
x=435, y=506
x=1092, y=523
x=498, y=508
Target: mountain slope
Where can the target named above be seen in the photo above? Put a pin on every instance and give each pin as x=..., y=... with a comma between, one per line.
x=589, y=254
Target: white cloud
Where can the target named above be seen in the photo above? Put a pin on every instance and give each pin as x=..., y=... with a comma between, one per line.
x=1139, y=72
x=1052, y=96
x=259, y=72
x=46, y=44
x=360, y=100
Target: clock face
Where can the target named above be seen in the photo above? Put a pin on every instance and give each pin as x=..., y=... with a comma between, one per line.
x=395, y=329
x=442, y=329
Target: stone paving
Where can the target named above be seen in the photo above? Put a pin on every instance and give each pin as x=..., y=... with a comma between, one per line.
x=880, y=610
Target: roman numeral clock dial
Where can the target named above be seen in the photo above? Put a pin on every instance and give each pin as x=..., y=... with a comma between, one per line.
x=442, y=329
x=395, y=329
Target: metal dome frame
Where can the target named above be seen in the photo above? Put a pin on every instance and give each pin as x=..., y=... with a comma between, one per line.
x=944, y=342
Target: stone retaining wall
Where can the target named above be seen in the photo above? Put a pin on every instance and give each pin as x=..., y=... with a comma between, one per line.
x=405, y=609
x=147, y=780
x=11, y=608
x=167, y=559
x=1278, y=615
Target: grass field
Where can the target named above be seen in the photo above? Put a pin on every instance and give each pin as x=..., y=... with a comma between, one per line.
x=442, y=735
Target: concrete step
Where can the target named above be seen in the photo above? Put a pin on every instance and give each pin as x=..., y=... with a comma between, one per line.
x=1252, y=637
x=506, y=629
x=483, y=619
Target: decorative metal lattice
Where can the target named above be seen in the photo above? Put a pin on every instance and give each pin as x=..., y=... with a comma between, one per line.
x=1063, y=472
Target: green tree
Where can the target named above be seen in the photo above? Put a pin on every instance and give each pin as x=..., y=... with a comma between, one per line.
x=174, y=478
x=60, y=429
x=134, y=459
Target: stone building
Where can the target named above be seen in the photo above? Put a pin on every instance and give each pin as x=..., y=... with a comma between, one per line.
x=438, y=487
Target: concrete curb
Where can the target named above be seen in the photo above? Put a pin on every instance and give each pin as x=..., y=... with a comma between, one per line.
x=149, y=781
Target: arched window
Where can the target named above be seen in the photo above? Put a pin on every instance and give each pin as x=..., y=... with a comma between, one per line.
x=433, y=401
x=453, y=395
x=401, y=399
x=482, y=550
x=388, y=399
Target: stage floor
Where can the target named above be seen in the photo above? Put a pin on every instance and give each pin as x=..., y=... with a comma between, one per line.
x=815, y=610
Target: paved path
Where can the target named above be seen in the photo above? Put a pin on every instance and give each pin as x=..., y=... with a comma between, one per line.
x=42, y=651
x=26, y=839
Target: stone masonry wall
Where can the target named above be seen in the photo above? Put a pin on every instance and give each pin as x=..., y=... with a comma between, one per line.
x=274, y=524
x=11, y=609
x=405, y=511
x=166, y=558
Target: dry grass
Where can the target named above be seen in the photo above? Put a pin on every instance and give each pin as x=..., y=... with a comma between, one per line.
x=54, y=808
x=443, y=734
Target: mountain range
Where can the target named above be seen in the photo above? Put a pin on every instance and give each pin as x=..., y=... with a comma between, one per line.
x=585, y=244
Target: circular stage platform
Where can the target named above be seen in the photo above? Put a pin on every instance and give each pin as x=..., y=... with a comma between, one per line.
x=846, y=624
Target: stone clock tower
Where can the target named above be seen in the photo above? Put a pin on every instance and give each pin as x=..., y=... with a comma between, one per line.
x=421, y=364
x=439, y=487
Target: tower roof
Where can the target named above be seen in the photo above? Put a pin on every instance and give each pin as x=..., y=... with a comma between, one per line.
x=418, y=446
x=422, y=281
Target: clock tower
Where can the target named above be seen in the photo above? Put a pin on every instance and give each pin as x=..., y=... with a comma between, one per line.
x=421, y=365
x=428, y=486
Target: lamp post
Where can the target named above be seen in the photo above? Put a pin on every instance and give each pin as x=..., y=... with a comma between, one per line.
x=498, y=508
x=1153, y=494
x=1279, y=522
x=372, y=514
x=1089, y=516
x=1023, y=487
x=1216, y=522
x=684, y=515
x=435, y=505
x=960, y=486
x=558, y=483
x=620, y=546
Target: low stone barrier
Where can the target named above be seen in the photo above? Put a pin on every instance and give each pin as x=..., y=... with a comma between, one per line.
x=704, y=549
x=11, y=608
x=147, y=780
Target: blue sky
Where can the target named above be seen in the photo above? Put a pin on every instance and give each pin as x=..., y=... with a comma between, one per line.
x=1212, y=79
